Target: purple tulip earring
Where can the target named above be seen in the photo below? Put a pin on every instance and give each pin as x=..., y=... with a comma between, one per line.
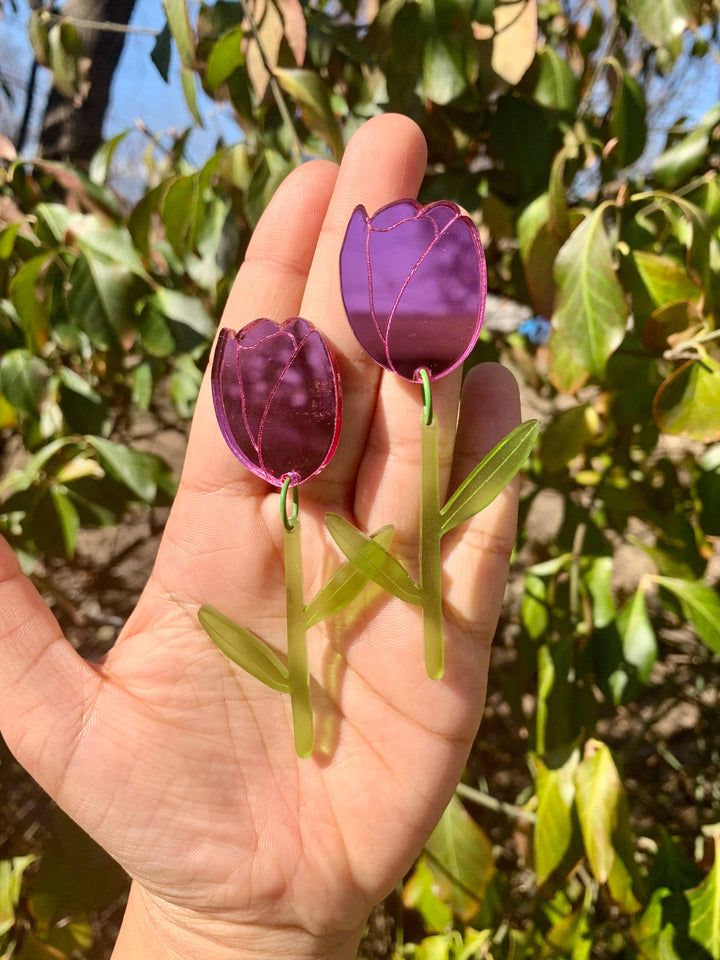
x=413, y=284
x=277, y=397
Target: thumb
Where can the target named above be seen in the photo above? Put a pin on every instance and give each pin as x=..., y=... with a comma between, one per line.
x=46, y=688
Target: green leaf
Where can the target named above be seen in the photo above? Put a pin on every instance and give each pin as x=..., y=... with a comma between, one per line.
x=54, y=523
x=539, y=247
x=11, y=876
x=140, y=220
x=185, y=385
x=553, y=832
x=701, y=606
x=450, y=56
x=557, y=85
x=225, y=57
x=686, y=404
x=459, y=854
x=178, y=208
x=704, y=903
x=70, y=68
x=187, y=78
x=189, y=317
x=142, y=385
x=604, y=820
x=84, y=409
x=661, y=21
x=516, y=123
x=101, y=298
x=534, y=611
x=245, y=649
x=38, y=35
x=589, y=322
x=8, y=235
x=24, y=381
x=134, y=469
x=102, y=158
x=181, y=29
x=161, y=52
x=490, y=476
x=154, y=331
x=313, y=98
x=692, y=930
x=74, y=875
x=628, y=120
x=568, y=435
x=558, y=218
x=638, y=637
x=667, y=320
x=23, y=479
x=598, y=580
x=372, y=559
x=343, y=587
x=30, y=300
x=267, y=176
x=678, y=162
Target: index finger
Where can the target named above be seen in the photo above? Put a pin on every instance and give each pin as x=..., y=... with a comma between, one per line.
x=384, y=161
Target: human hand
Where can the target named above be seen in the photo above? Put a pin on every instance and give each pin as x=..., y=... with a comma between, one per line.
x=182, y=766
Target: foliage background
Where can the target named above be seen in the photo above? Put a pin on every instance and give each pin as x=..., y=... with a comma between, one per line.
x=587, y=821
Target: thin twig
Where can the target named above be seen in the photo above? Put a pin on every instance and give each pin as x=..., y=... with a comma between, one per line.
x=492, y=803
x=103, y=26
x=274, y=85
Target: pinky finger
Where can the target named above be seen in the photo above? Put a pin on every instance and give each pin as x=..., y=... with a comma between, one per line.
x=477, y=553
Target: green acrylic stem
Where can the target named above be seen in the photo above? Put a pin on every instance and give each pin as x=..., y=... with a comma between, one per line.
x=299, y=678
x=430, y=559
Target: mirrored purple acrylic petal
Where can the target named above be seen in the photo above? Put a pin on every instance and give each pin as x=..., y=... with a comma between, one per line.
x=413, y=282
x=277, y=398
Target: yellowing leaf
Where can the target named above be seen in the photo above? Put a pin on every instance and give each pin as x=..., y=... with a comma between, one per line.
x=460, y=857
x=295, y=28
x=515, y=39
x=687, y=404
x=312, y=97
x=604, y=820
x=553, y=832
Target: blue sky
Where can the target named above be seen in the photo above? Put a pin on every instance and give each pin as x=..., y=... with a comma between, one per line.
x=138, y=93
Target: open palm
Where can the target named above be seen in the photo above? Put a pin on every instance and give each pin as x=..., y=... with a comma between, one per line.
x=181, y=765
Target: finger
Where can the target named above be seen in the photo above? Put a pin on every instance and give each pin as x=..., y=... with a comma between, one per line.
x=46, y=688
x=384, y=161
x=477, y=553
x=270, y=283
x=390, y=476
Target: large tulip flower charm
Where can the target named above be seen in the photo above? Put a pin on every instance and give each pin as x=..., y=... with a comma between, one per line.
x=414, y=286
x=413, y=283
x=277, y=398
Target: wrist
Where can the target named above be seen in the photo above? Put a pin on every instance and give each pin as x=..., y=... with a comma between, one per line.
x=154, y=930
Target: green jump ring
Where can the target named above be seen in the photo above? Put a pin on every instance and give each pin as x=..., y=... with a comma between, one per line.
x=289, y=521
x=427, y=395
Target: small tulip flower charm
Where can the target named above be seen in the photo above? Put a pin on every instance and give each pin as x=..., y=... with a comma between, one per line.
x=277, y=398
x=414, y=285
